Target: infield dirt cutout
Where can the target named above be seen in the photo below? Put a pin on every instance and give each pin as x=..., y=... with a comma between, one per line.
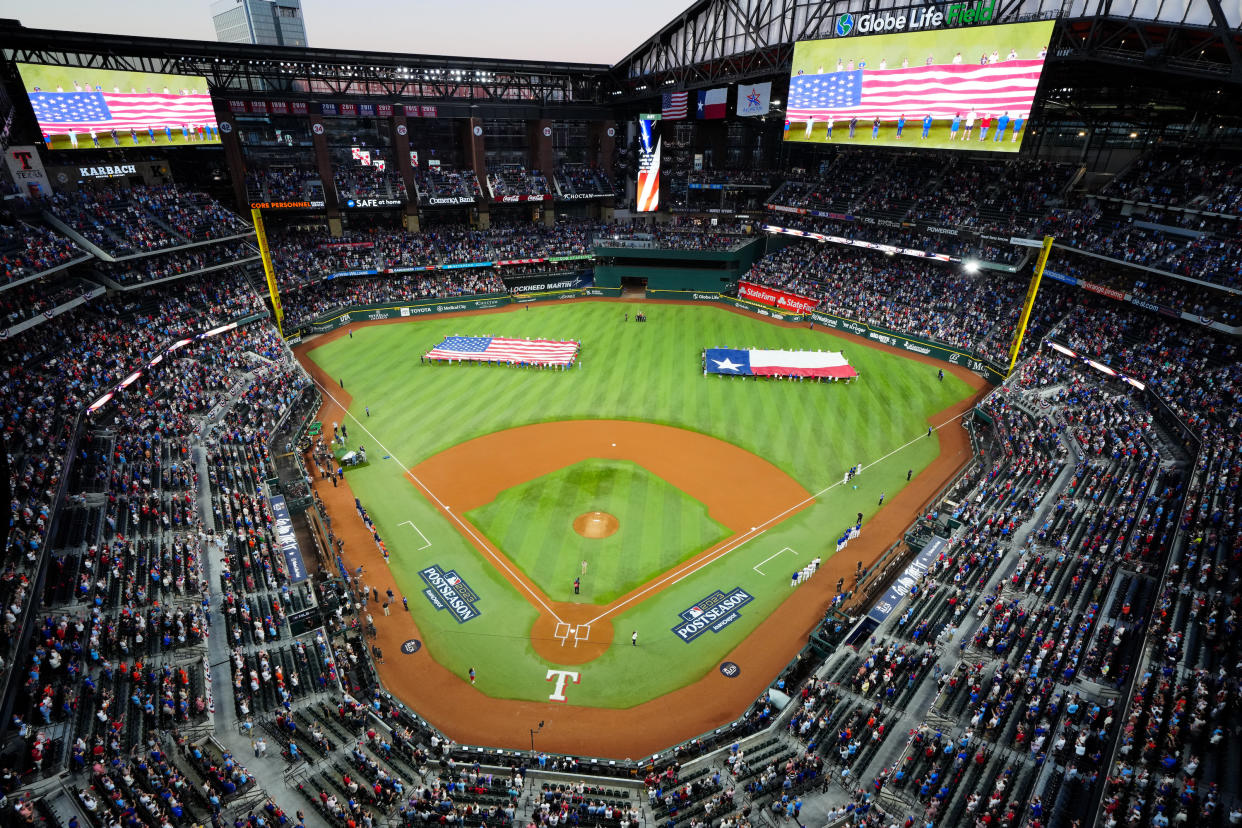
x=741, y=491
x=596, y=525
x=470, y=716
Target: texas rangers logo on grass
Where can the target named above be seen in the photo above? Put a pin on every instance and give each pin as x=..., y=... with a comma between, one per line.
x=715, y=612
x=447, y=590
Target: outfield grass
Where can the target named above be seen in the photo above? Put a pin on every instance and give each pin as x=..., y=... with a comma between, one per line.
x=652, y=373
x=660, y=526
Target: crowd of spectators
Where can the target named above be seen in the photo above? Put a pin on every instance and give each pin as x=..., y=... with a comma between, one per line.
x=581, y=179
x=33, y=298
x=278, y=182
x=137, y=220
x=179, y=261
x=441, y=182
x=515, y=180
x=28, y=249
x=1090, y=545
x=304, y=305
x=1211, y=182
x=928, y=299
x=355, y=180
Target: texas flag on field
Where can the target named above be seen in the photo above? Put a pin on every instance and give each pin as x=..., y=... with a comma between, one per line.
x=712, y=103
x=762, y=363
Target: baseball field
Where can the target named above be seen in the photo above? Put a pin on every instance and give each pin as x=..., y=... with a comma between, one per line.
x=607, y=535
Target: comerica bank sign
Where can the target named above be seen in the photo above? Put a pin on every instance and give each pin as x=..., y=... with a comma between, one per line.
x=916, y=18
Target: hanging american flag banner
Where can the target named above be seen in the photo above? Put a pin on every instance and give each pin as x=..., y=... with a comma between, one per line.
x=676, y=105
x=939, y=90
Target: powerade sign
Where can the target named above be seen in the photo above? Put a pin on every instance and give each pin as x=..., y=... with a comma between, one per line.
x=715, y=612
x=447, y=591
x=915, y=18
x=286, y=540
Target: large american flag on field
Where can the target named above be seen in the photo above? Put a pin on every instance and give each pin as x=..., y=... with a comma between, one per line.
x=939, y=90
x=499, y=349
x=84, y=111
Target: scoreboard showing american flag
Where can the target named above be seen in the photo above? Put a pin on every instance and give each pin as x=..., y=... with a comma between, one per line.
x=83, y=111
x=123, y=108
x=961, y=87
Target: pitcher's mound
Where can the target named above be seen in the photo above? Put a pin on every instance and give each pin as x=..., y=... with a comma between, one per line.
x=596, y=524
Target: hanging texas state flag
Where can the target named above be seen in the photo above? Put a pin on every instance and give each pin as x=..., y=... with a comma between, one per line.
x=712, y=103
x=761, y=363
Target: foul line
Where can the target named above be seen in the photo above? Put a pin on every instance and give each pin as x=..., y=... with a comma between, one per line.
x=755, y=531
x=481, y=545
x=426, y=543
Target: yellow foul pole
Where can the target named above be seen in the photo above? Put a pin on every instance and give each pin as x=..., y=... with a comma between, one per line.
x=1031, y=292
x=257, y=216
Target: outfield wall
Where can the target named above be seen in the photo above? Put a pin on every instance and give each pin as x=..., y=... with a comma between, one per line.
x=398, y=310
x=987, y=369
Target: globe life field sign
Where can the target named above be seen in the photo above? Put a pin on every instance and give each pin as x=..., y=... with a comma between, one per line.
x=924, y=17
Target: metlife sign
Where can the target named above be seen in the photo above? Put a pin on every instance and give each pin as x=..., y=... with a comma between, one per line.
x=915, y=18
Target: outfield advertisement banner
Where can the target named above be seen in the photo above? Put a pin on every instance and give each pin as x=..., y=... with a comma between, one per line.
x=377, y=313
x=991, y=372
x=775, y=298
x=555, y=281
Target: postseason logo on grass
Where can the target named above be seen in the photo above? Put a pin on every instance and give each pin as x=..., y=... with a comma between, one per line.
x=447, y=590
x=715, y=612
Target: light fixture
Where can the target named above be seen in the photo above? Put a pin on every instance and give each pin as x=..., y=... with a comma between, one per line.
x=970, y=266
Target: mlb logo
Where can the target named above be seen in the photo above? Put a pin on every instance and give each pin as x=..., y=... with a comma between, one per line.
x=695, y=612
x=454, y=580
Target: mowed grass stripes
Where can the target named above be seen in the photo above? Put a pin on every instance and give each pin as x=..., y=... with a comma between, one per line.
x=660, y=526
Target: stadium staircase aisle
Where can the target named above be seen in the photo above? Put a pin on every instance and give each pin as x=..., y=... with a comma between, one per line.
x=226, y=727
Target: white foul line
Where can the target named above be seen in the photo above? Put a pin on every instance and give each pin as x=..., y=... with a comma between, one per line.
x=426, y=542
x=770, y=557
x=755, y=531
x=478, y=541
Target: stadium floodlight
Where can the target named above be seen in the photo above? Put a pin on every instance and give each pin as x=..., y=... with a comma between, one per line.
x=971, y=266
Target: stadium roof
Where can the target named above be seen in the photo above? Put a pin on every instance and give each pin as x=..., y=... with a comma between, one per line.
x=275, y=71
